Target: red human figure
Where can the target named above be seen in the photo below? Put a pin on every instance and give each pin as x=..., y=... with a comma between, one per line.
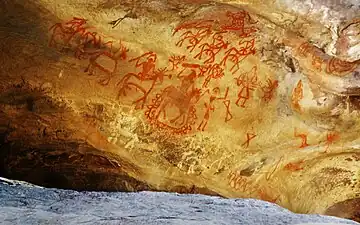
x=175, y=61
x=238, y=20
x=197, y=24
x=194, y=39
x=120, y=54
x=211, y=50
x=330, y=139
x=209, y=106
x=247, y=82
x=148, y=73
x=249, y=137
x=269, y=89
x=236, y=55
x=214, y=71
x=303, y=139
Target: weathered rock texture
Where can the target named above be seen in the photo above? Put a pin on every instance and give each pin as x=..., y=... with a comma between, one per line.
x=252, y=99
x=22, y=203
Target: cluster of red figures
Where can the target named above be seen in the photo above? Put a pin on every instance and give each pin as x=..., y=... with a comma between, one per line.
x=77, y=36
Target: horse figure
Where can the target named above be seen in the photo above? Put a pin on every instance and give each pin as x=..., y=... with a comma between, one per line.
x=148, y=73
x=67, y=30
x=184, y=102
x=94, y=63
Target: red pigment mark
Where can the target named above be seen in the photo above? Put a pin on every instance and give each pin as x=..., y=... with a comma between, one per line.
x=214, y=71
x=237, y=55
x=194, y=38
x=212, y=49
x=317, y=62
x=296, y=166
x=271, y=173
x=296, y=96
x=183, y=99
x=195, y=24
x=175, y=61
x=303, y=139
x=249, y=137
x=265, y=196
x=331, y=137
x=238, y=20
x=269, y=89
x=146, y=62
x=120, y=54
x=88, y=45
x=228, y=116
x=67, y=31
x=238, y=182
x=340, y=67
x=304, y=49
x=247, y=82
x=183, y=102
x=209, y=106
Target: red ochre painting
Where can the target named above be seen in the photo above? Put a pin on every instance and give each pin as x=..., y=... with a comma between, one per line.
x=183, y=96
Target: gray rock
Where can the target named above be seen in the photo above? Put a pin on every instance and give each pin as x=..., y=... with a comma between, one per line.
x=22, y=203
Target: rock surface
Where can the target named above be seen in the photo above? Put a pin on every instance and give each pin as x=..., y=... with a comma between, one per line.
x=242, y=99
x=25, y=204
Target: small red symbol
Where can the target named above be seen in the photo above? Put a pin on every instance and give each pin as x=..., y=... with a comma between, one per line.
x=295, y=166
x=249, y=137
x=303, y=139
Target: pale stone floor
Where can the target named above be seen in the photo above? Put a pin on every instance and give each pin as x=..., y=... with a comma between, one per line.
x=22, y=203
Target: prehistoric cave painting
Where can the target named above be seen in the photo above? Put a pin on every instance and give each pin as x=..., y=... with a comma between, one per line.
x=294, y=166
x=184, y=102
x=303, y=137
x=239, y=182
x=238, y=23
x=249, y=137
x=86, y=44
x=247, y=83
x=237, y=55
x=196, y=89
x=209, y=106
x=148, y=73
x=194, y=38
x=333, y=65
x=296, y=96
x=95, y=61
x=66, y=31
x=213, y=49
x=271, y=172
x=269, y=89
x=204, y=37
x=175, y=61
x=266, y=195
x=212, y=71
x=331, y=137
x=339, y=67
